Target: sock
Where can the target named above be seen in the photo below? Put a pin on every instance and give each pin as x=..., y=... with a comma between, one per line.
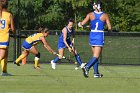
x=95, y=67
x=4, y=65
x=78, y=59
x=56, y=60
x=20, y=58
x=91, y=62
x=36, y=62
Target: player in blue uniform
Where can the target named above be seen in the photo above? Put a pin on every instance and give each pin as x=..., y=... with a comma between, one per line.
x=97, y=19
x=66, y=42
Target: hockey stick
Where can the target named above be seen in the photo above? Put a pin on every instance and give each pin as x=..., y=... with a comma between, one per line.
x=70, y=61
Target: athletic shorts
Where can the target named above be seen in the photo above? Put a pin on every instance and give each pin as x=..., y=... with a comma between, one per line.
x=61, y=44
x=96, y=39
x=4, y=44
x=26, y=45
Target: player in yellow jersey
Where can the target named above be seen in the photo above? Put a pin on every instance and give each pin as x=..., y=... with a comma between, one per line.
x=29, y=46
x=6, y=24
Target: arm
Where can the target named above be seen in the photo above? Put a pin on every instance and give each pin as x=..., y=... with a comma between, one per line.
x=108, y=22
x=46, y=45
x=87, y=18
x=73, y=39
x=12, y=23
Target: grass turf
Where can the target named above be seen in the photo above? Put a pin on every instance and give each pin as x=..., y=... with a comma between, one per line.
x=65, y=79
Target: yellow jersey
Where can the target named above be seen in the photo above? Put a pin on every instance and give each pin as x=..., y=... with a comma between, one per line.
x=5, y=21
x=34, y=38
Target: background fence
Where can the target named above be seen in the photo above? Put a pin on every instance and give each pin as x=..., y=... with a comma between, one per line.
x=120, y=48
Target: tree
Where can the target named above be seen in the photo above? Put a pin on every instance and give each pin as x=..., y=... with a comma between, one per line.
x=124, y=14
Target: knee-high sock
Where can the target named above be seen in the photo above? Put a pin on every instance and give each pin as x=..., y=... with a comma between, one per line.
x=91, y=62
x=95, y=67
x=36, y=62
x=56, y=59
x=4, y=65
x=78, y=59
x=19, y=58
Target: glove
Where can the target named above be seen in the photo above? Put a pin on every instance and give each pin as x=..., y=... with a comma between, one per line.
x=79, y=25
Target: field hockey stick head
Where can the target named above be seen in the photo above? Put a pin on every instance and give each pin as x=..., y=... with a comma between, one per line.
x=61, y=56
x=65, y=58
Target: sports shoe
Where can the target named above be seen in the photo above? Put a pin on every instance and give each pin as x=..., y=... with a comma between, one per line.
x=16, y=63
x=82, y=65
x=53, y=64
x=85, y=71
x=38, y=67
x=5, y=74
x=98, y=75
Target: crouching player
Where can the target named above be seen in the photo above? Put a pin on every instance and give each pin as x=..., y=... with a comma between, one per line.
x=66, y=42
x=29, y=46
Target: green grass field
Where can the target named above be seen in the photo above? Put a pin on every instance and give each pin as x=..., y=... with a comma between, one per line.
x=65, y=79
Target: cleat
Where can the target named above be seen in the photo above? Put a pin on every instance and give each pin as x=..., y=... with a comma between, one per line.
x=6, y=74
x=98, y=75
x=38, y=67
x=82, y=65
x=17, y=64
x=85, y=71
x=53, y=64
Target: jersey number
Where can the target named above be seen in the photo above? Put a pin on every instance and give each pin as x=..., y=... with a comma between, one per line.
x=96, y=25
x=2, y=24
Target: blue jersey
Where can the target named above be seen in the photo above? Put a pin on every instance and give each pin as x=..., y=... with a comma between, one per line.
x=96, y=37
x=61, y=43
x=97, y=24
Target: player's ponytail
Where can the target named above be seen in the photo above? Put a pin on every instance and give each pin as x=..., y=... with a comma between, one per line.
x=40, y=29
x=3, y=4
x=43, y=30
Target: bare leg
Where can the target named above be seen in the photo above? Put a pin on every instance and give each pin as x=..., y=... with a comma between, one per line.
x=2, y=53
x=61, y=52
x=96, y=51
x=33, y=50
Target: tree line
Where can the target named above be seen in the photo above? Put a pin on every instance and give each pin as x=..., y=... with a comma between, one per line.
x=124, y=14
